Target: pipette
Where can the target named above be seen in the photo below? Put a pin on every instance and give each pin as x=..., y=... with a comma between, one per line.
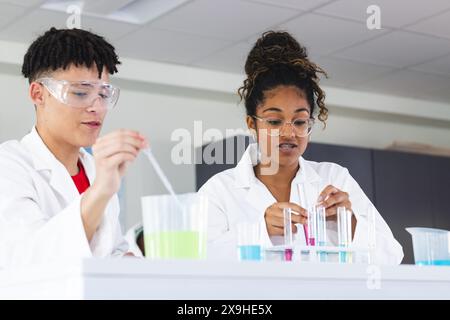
x=161, y=175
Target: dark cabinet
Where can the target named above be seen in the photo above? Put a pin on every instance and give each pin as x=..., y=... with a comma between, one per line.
x=440, y=194
x=226, y=154
x=403, y=188
x=357, y=160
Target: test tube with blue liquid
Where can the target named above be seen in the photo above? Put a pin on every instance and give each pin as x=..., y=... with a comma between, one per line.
x=321, y=231
x=344, y=227
x=249, y=244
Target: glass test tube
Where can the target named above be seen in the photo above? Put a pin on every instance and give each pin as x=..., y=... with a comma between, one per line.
x=344, y=226
x=321, y=226
x=288, y=252
x=311, y=227
x=321, y=233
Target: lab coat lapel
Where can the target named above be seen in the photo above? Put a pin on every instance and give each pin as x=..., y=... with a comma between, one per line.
x=307, y=185
x=258, y=196
x=88, y=164
x=44, y=161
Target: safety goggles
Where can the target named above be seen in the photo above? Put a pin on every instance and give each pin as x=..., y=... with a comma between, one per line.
x=82, y=94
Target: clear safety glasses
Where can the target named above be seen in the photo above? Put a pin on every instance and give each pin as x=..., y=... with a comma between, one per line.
x=82, y=94
x=301, y=127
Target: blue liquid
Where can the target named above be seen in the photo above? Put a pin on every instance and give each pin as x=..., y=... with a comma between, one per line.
x=323, y=256
x=434, y=263
x=251, y=252
x=342, y=257
x=345, y=257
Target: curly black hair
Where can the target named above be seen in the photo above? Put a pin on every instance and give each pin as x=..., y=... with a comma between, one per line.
x=277, y=59
x=60, y=48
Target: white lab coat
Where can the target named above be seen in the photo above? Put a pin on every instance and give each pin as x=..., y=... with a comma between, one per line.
x=131, y=238
x=40, y=217
x=236, y=195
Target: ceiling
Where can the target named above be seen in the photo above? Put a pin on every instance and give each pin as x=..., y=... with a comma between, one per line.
x=409, y=56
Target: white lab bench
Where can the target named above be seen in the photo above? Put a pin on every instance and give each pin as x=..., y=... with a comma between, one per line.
x=132, y=278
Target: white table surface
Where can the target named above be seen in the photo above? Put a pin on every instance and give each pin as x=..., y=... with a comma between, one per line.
x=132, y=278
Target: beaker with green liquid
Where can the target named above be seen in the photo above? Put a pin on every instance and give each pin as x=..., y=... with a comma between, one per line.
x=175, y=228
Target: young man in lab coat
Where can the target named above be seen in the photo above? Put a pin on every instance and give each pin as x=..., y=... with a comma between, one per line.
x=58, y=202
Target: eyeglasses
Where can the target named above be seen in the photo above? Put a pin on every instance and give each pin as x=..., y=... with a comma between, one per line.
x=301, y=127
x=82, y=94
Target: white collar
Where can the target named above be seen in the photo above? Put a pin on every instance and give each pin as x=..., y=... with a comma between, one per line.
x=44, y=160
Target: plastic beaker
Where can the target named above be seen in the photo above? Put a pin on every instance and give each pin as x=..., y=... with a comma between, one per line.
x=175, y=229
x=430, y=246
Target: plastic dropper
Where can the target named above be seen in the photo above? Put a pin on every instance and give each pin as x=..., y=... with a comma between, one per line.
x=161, y=175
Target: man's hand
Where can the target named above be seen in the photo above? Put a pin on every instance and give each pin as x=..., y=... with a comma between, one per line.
x=113, y=153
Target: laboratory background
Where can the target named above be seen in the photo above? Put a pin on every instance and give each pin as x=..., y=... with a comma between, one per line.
x=388, y=90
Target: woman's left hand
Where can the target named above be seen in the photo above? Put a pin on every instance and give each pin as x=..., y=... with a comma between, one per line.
x=332, y=198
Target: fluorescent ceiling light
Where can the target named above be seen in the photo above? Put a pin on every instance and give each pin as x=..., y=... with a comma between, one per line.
x=131, y=11
x=105, y=7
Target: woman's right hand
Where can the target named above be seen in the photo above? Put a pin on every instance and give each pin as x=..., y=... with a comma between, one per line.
x=275, y=218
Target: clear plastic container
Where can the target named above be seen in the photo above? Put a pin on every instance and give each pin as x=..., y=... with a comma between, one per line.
x=175, y=228
x=249, y=246
x=431, y=246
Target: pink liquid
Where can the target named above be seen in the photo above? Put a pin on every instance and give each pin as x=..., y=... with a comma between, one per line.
x=309, y=241
x=288, y=254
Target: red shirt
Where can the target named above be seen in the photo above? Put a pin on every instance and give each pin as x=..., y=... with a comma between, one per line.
x=81, y=180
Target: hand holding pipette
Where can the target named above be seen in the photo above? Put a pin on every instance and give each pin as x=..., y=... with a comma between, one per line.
x=112, y=154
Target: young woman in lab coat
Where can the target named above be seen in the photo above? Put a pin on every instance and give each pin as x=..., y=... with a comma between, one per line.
x=58, y=202
x=283, y=99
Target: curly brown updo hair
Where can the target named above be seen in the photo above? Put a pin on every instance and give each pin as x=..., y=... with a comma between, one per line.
x=277, y=59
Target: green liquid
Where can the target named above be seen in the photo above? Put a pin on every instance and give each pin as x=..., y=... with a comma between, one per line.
x=175, y=245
